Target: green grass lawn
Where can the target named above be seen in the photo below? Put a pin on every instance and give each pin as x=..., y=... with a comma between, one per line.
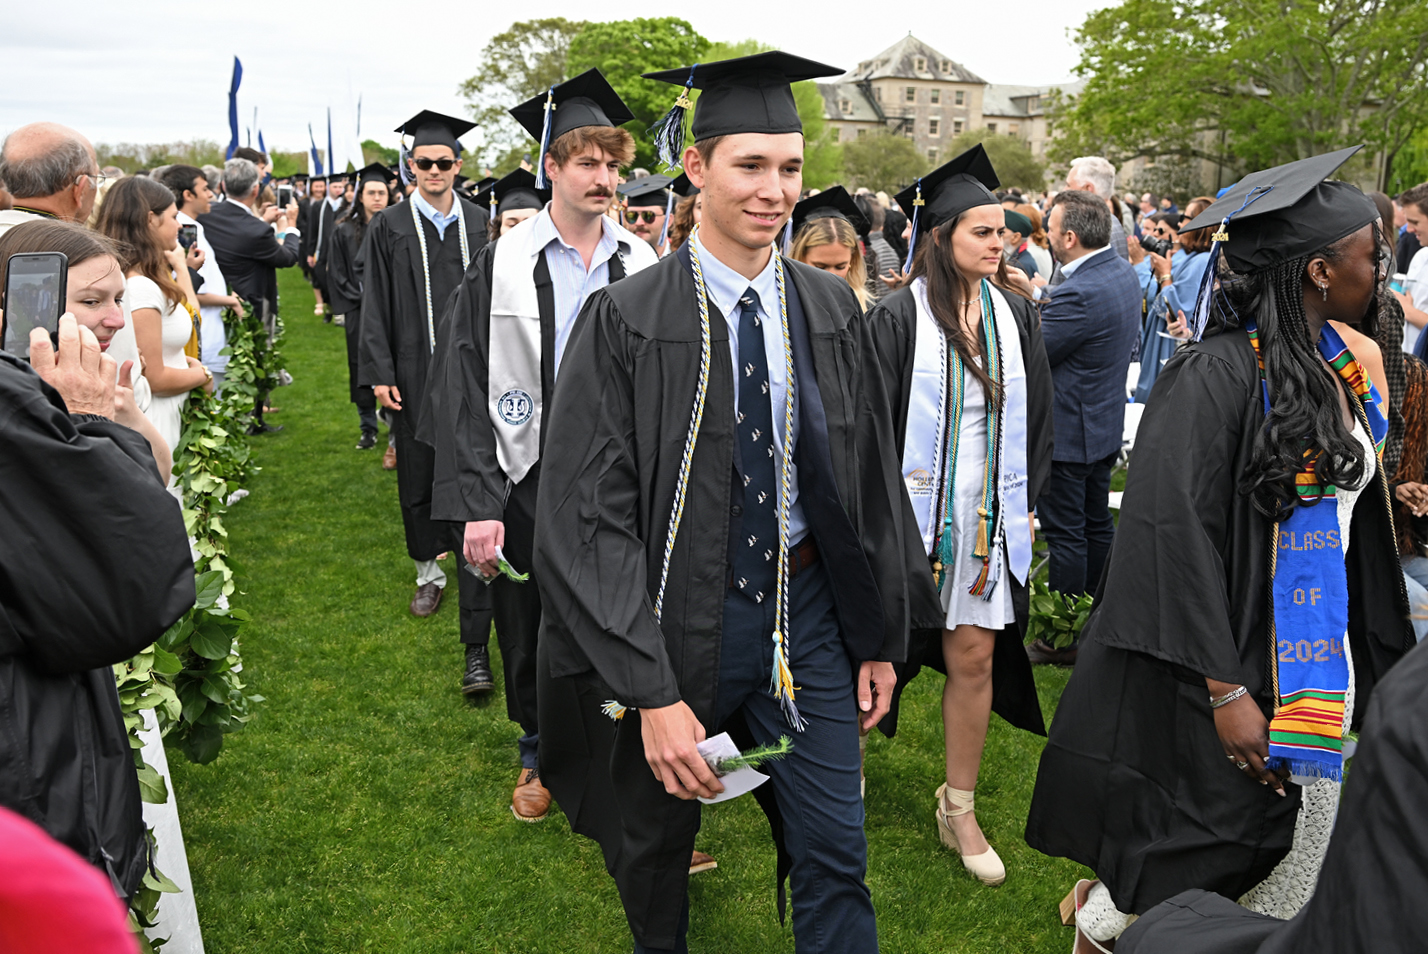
x=366, y=807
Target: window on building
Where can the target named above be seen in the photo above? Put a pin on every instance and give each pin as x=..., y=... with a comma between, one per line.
x=934, y=127
x=909, y=129
x=1013, y=128
x=935, y=95
x=862, y=133
x=878, y=93
x=960, y=97
x=1049, y=129
x=909, y=95
x=932, y=156
x=991, y=127
x=845, y=106
x=956, y=127
x=946, y=66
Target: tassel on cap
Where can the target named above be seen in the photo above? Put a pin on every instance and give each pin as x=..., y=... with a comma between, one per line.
x=668, y=213
x=493, y=205
x=1201, y=316
x=541, y=181
x=917, y=205
x=405, y=169
x=668, y=133
x=785, y=244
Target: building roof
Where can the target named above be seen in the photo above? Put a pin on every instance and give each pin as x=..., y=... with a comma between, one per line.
x=899, y=61
x=1003, y=99
x=833, y=96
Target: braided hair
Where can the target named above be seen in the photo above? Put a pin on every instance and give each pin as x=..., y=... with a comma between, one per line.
x=1304, y=417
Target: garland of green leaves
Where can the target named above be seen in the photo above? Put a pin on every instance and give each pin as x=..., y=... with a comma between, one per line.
x=190, y=677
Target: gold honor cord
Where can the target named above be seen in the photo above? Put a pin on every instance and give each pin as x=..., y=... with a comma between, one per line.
x=426, y=263
x=782, y=677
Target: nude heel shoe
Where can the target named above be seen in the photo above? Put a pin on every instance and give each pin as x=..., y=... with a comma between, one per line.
x=986, y=867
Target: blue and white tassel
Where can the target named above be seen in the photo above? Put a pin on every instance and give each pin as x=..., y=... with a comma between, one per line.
x=541, y=181
x=1201, y=315
x=668, y=133
x=917, y=203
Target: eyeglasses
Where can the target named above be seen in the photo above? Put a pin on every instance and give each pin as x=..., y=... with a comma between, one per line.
x=98, y=178
x=425, y=164
x=632, y=217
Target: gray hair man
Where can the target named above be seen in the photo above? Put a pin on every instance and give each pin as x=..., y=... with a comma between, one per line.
x=1096, y=174
x=51, y=171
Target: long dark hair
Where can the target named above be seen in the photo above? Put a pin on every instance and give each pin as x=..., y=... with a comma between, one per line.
x=352, y=212
x=945, y=287
x=124, y=217
x=1304, y=418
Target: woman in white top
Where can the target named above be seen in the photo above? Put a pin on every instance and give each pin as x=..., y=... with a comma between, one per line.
x=159, y=298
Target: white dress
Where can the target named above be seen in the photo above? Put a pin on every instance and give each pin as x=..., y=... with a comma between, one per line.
x=1292, y=881
x=164, y=412
x=961, y=607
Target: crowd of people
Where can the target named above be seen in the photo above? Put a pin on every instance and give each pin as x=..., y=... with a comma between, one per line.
x=802, y=444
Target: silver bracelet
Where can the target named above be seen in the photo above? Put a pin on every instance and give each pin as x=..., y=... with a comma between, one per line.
x=1228, y=697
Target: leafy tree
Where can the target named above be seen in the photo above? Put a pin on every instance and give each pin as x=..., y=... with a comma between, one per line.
x=1015, y=164
x=131, y=156
x=516, y=65
x=285, y=163
x=373, y=151
x=1252, y=83
x=1410, y=166
x=882, y=161
x=622, y=50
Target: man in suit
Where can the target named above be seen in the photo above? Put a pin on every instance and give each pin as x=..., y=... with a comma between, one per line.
x=1091, y=323
x=247, y=249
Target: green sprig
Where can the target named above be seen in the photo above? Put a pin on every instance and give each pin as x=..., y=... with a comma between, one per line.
x=754, y=757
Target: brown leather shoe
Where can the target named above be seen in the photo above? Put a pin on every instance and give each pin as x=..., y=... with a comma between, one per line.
x=389, y=458
x=1041, y=653
x=530, y=802
x=426, y=600
x=699, y=861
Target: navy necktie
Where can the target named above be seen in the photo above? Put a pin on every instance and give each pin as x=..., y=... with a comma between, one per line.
x=756, y=555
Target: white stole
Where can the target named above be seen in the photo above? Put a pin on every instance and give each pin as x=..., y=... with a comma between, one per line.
x=927, y=413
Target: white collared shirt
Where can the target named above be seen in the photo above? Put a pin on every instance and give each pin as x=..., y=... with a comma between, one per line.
x=725, y=287
x=571, y=280
x=1070, y=267
x=211, y=337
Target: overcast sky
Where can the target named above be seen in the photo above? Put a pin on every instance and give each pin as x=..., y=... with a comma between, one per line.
x=158, y=71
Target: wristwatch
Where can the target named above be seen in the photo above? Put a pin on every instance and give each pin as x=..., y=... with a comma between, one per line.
x=207, y=374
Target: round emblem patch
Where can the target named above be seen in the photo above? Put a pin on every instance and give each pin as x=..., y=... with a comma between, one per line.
x=515, y=407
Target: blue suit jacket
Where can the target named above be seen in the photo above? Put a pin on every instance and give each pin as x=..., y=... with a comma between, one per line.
x=1091, y=324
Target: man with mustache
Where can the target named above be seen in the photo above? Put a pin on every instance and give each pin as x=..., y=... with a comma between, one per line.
x=416, y=253
x=499, y=359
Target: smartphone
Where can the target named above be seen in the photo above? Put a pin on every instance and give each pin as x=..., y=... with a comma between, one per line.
x=34, y=297
x=285, y=196
x=188, y=235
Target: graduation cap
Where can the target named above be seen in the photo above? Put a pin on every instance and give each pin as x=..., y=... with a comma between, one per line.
x=682, y=187
x=1279, y=214
x=515, y=191
x=645, y=191
x=435, y=129
x=748, y=94
x=585, y=100
x=833, y=203
x=946, y=192
x=376, y=172
x=301, y=177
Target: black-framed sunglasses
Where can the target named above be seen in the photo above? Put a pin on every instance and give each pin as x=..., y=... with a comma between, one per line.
x=633, y=216
x=424, y=164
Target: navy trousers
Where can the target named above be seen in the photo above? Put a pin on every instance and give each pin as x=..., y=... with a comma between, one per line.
x=1075, y=516
x=817, y=784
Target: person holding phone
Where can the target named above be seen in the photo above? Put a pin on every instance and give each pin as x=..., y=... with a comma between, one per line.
x=141, y=214
x=193, y=197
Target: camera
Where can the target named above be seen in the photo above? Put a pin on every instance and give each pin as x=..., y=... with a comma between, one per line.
x=1156, y=246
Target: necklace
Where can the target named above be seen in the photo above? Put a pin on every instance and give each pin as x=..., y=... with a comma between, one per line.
x=426, y=264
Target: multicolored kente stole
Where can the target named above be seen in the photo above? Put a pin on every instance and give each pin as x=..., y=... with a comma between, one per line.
x=1309, y=614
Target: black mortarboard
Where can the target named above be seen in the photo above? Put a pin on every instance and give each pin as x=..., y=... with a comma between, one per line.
x=301, y=177
x=648, y=190
x=1283, y=213
x=748, y=94
x=830, y=203
x=585, y=100
x=376, y=172
x=434, y=129
x=947, y=191
x=515, y=191
x=682, y=187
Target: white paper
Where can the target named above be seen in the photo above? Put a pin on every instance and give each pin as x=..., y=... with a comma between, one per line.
x=736, y=783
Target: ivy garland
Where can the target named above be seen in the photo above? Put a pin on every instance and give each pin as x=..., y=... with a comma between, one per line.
x=190, y=677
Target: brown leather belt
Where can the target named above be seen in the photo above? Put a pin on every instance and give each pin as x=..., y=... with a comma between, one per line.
x=800, y=558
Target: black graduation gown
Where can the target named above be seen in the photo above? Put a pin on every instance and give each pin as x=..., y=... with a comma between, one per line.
x=1133, y=782
x=893, y=330
x=394, y=346
x=323, y=220
x=305, y=242
x=344, y=293
x=620, y=416
x=1375, y=874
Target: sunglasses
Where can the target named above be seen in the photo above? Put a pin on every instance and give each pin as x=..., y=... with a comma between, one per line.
x=633, y=217
x=425, y=164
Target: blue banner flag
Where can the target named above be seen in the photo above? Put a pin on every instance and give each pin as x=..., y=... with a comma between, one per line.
x=233, y=108
x=314, y=161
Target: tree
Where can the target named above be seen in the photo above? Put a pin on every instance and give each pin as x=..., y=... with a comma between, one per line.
x=525, y=60
x=883, y=161
x=373, y=151
x=1011, y=157
x=1251, y=83
x=622, y=50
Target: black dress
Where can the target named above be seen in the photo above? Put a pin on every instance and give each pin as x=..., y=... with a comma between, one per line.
x=1133, y=782
x=892, y=328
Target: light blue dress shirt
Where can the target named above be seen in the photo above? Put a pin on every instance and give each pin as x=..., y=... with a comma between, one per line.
x=572, y=281
x=429, y=212
x=725, y=287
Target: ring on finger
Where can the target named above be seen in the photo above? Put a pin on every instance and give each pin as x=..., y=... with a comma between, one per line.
x=1241, y=765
